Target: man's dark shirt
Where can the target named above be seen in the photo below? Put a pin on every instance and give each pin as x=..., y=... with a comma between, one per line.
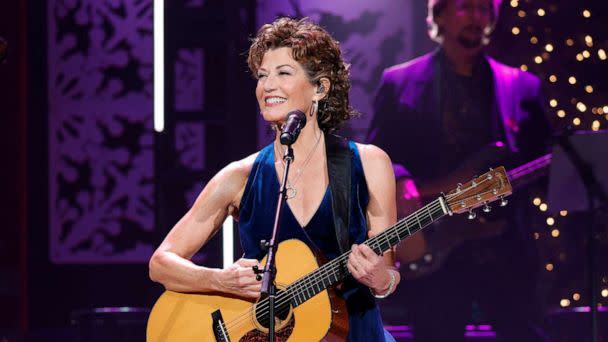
x=465, y=103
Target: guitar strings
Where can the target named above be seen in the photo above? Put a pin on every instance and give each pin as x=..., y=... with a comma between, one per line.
x=323, y=270
x=287, y=296
x=522, y=171
x=284, y=297
x=313, y=279
x=535, y=164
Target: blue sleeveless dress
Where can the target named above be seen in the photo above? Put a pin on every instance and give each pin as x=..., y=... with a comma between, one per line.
x=256, y=218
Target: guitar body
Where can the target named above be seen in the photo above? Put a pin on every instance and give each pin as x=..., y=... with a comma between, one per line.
x=182, y=317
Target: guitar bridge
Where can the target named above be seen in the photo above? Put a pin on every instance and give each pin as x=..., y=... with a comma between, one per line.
x=219, y=328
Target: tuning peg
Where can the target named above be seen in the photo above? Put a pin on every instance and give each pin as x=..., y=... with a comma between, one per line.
x=472, y=215
x=486, y=208
x=257, y=272
x=503, y=201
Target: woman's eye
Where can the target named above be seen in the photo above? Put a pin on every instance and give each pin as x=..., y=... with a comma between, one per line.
x=261, y=76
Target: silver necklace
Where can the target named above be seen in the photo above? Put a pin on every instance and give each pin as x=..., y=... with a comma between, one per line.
x=290, y=189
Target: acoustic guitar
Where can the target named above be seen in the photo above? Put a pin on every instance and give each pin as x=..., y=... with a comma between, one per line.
x=307, y=308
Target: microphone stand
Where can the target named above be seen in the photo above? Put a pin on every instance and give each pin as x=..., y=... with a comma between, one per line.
x=268, y=284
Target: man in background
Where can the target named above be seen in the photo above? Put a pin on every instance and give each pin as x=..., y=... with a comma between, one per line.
x=445, y=117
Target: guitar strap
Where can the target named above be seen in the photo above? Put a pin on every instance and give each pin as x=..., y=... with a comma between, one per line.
x=339, y=172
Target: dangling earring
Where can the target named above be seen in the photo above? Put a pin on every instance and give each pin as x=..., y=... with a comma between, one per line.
x=315, y=108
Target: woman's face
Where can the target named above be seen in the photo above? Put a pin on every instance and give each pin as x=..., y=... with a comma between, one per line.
x=283, y=86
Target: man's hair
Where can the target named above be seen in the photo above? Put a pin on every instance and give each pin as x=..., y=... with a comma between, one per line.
x=436, y=7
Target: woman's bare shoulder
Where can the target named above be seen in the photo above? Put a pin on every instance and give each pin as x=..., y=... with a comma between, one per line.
x=233, y=178
x=373, y=156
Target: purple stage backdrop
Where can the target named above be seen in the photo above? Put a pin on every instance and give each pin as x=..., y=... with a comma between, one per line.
x=100, y=131
x=372, y=34
x=101, y=142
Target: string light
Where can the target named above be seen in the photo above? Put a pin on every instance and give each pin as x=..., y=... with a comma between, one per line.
x=515, y=30
x=576, y=296
x=605, y=293
x=586, y=54
x=549, y=51
x=549, y=267
x=595, y=126
x=564, y=303
x=581, y=107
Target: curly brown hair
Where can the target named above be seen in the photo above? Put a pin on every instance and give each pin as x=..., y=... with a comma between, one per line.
x=320, y=56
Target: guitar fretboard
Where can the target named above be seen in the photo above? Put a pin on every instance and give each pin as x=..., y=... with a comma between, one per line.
x=334, y=271
x=528, y=172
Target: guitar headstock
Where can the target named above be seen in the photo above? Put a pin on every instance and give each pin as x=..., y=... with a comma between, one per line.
x=489, y=187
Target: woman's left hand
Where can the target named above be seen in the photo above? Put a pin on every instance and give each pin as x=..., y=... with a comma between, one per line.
x=369, y=268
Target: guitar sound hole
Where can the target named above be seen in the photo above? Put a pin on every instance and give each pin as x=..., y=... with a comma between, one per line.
x=282, y=309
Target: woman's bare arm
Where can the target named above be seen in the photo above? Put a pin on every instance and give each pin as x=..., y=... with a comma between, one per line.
x=375, y=271
x=170, y=264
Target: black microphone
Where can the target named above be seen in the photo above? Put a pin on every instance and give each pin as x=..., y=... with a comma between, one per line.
x=291, y=129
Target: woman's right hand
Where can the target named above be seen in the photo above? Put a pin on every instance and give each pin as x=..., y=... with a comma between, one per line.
x=239, y=279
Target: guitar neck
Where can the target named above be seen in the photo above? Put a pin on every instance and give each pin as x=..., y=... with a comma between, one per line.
x=336, y=270
x=528, y=172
